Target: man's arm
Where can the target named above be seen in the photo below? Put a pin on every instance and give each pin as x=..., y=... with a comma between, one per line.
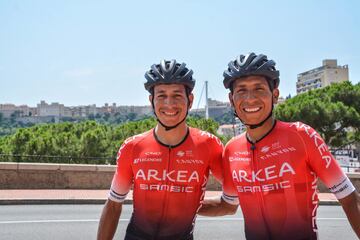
x=213, y=207
x=351, y=206
x=109, y=220
x=323, y=163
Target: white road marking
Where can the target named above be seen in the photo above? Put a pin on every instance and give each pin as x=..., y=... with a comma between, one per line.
x=127, y=219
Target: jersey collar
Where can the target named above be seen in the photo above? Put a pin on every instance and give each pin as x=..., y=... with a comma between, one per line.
x=248, y=139
x=172, y=146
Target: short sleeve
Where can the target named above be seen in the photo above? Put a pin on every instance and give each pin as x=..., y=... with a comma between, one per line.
x=216, y=151
x=123, y=176
x=323, y=163
x=229, y=194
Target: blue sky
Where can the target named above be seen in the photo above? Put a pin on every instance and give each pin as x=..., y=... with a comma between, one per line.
x=93, y=52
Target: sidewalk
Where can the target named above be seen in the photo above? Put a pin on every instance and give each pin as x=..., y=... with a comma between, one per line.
x=81, y=196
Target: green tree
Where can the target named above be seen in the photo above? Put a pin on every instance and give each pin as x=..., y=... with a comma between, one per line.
x=208, y=125
x=334, y=111
x=81, y=140
x=226, y=118
x=93, y=143
x=91, y=116
x=106, y=116
x=131, y=116
x=19, y=140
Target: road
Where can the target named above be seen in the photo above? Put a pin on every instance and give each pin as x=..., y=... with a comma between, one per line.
x=80, y=222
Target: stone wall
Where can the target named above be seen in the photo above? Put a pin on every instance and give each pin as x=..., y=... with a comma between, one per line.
x=55, y=176
x=76, y=176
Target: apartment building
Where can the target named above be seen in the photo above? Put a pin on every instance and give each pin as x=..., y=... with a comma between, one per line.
x=322, y=76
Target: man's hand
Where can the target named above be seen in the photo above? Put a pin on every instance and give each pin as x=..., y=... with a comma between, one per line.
x=213, y=207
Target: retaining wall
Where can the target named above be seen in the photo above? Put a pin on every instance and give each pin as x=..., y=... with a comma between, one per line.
x=79, y=176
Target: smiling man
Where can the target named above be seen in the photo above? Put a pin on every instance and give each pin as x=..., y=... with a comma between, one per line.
x=168, y=165
x=272, y=169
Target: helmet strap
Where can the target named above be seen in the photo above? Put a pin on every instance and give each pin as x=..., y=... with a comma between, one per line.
x=168, y=128
x=254, y=126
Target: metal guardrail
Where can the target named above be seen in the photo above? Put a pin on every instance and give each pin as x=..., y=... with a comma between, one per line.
x=350, y=169
x=90, y=160
x=56, y=159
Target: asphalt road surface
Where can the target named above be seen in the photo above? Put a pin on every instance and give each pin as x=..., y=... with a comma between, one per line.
x=80, y=222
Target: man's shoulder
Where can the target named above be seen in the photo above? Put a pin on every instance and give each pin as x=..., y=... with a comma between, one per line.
x=127, y=147
x=298, y=126
x=203, y=136
x=301, y=130
x=133, y=140
x=236, y=140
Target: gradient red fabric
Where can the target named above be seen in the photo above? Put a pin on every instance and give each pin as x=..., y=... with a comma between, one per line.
x=275, y=181
x=168, y=181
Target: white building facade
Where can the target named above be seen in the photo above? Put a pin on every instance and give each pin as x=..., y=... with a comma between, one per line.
x=322, y=76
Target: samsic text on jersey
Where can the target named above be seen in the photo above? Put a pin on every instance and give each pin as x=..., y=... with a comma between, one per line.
x=275, y=181
x=168, y=181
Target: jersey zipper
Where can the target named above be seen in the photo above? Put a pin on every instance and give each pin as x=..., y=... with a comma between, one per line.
x=259, y=195
x=165, y=194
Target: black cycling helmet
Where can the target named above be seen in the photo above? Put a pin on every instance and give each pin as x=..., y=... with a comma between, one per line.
x=251, y=64
x=169, y=72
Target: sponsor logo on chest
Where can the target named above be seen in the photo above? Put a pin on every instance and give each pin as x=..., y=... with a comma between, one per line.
x=240, y=156
x=187, y=157
x=179, y=176
x=266, y=179
x=263, y=174
x=268, y=152
x=154, y=157
x=169, y=181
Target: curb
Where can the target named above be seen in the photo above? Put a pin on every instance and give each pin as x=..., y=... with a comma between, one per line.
x=55, y=201
x=329, y=203
x=98, y=201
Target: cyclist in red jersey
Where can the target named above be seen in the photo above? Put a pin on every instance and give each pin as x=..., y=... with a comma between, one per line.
x=272, y=169
x=168, y=166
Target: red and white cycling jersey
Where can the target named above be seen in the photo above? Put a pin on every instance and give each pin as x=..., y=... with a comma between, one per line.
x=275, y=181
x=168, y=181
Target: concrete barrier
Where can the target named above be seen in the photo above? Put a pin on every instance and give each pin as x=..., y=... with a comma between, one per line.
x=80, y=176
x=55, y=176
